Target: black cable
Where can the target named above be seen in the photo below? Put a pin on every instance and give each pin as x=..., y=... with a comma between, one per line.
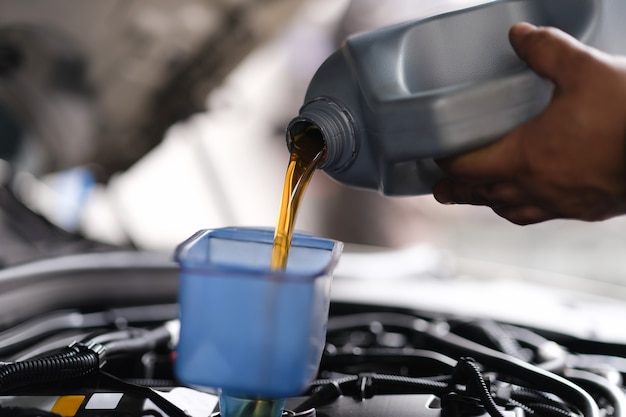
x=514, y=403
x=613, y=393
x=468, y=374
x=153, y=383
x=73, y=362
x=548, y=354
x=363, y=320
x=319, y=383
x=471, y=376
x=74, y=320
x=501, y=338
x=36, y=329
x=555, y=365
x=139, y=341
x=387, y=384
x=428, y=362
x=107, y=336
x=531, y=396
x=322, y=395
x=80, y=359
x=544, y=409
x=500, y=362
x=525, y=335
x=116, y=383
x=596, y=362
x=367, y=385
x=53, y=344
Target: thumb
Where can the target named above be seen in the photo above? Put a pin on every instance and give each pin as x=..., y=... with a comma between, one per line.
x=546, y=50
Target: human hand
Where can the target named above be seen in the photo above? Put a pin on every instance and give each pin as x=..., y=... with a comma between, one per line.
x=567, y=162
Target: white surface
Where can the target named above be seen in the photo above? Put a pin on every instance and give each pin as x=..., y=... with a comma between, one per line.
x=194, y=403
x=482, y=290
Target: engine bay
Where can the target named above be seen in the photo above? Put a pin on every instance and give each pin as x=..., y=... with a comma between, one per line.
x=94, y=334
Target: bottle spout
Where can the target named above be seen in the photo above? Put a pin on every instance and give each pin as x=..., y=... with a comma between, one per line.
x=300, y=129
x=327, y=121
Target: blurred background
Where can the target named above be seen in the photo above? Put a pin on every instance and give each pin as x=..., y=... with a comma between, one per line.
x=135, y=123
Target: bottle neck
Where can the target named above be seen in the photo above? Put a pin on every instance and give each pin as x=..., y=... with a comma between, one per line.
x=335, y=126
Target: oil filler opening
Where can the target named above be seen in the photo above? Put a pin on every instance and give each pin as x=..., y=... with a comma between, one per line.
x=305, y=137
x=330, y=123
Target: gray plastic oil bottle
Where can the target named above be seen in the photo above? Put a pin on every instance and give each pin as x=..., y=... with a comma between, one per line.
x=391, y=101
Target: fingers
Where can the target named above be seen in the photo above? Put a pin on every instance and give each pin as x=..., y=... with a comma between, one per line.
x=502, y=194
x=524, y=215
x=505, y=199
x=548, y=51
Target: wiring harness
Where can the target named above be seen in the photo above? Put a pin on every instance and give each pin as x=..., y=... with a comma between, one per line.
x=86, y=358
x=471, y=367
x=474, y=367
